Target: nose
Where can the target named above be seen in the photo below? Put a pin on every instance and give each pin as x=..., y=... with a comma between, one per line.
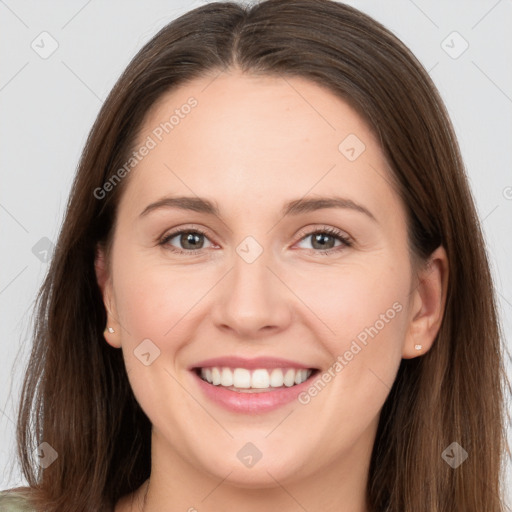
x=253, y=302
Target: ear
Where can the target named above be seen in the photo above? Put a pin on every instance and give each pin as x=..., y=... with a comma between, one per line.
x=427, y=305
x=112, y=332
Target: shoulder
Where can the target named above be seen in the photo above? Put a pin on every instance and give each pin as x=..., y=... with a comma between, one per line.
x=15, y=500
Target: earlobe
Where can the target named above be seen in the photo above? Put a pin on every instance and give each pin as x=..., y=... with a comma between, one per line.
x=112, y=337
x=428, y=305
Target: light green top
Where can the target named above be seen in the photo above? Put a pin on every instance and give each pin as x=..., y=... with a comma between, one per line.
x=14, y=501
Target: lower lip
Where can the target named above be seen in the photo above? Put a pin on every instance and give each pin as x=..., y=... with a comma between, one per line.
x=251, y=403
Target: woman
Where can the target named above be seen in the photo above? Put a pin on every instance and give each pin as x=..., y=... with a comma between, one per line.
x=270, y=291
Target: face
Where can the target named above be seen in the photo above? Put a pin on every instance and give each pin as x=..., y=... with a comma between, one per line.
x=264, y=277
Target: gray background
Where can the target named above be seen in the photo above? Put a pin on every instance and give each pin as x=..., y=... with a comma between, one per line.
x=49, y=104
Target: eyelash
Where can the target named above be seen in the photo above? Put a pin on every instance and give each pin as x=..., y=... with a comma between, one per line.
x=346, y=242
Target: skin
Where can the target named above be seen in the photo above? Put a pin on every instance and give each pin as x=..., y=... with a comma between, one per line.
x=251, y=144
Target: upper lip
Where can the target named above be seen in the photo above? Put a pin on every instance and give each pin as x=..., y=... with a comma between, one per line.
x=253, y=363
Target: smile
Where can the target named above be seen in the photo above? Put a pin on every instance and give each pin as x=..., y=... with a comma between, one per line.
x=251, y=386
x=246, y=380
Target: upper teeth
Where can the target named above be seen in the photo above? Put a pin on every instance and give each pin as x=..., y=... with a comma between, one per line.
x=260, y=378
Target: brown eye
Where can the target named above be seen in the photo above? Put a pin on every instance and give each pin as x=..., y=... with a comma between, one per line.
x=188, y=240
x=323, y=241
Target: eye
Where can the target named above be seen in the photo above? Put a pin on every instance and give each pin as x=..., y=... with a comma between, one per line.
x=323, y=240
x=190, y=239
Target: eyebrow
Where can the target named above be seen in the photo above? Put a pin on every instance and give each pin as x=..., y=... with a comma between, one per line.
x=295, y=207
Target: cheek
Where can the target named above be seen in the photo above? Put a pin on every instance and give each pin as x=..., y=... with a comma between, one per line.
x=366, y=317
x=365, y=301
x=155, y=303
x=153, y=297
x=361, y=312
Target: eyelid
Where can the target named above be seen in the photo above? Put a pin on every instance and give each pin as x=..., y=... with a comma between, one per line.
x=173, y=232
x=346, y=240
x=324, y=228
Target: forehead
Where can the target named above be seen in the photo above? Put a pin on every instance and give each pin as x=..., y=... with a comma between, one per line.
x=256, y=139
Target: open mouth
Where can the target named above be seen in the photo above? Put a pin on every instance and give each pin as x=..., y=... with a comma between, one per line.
x=246, y=380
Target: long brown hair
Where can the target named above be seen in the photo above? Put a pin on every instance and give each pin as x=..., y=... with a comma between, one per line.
x=76, y=395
